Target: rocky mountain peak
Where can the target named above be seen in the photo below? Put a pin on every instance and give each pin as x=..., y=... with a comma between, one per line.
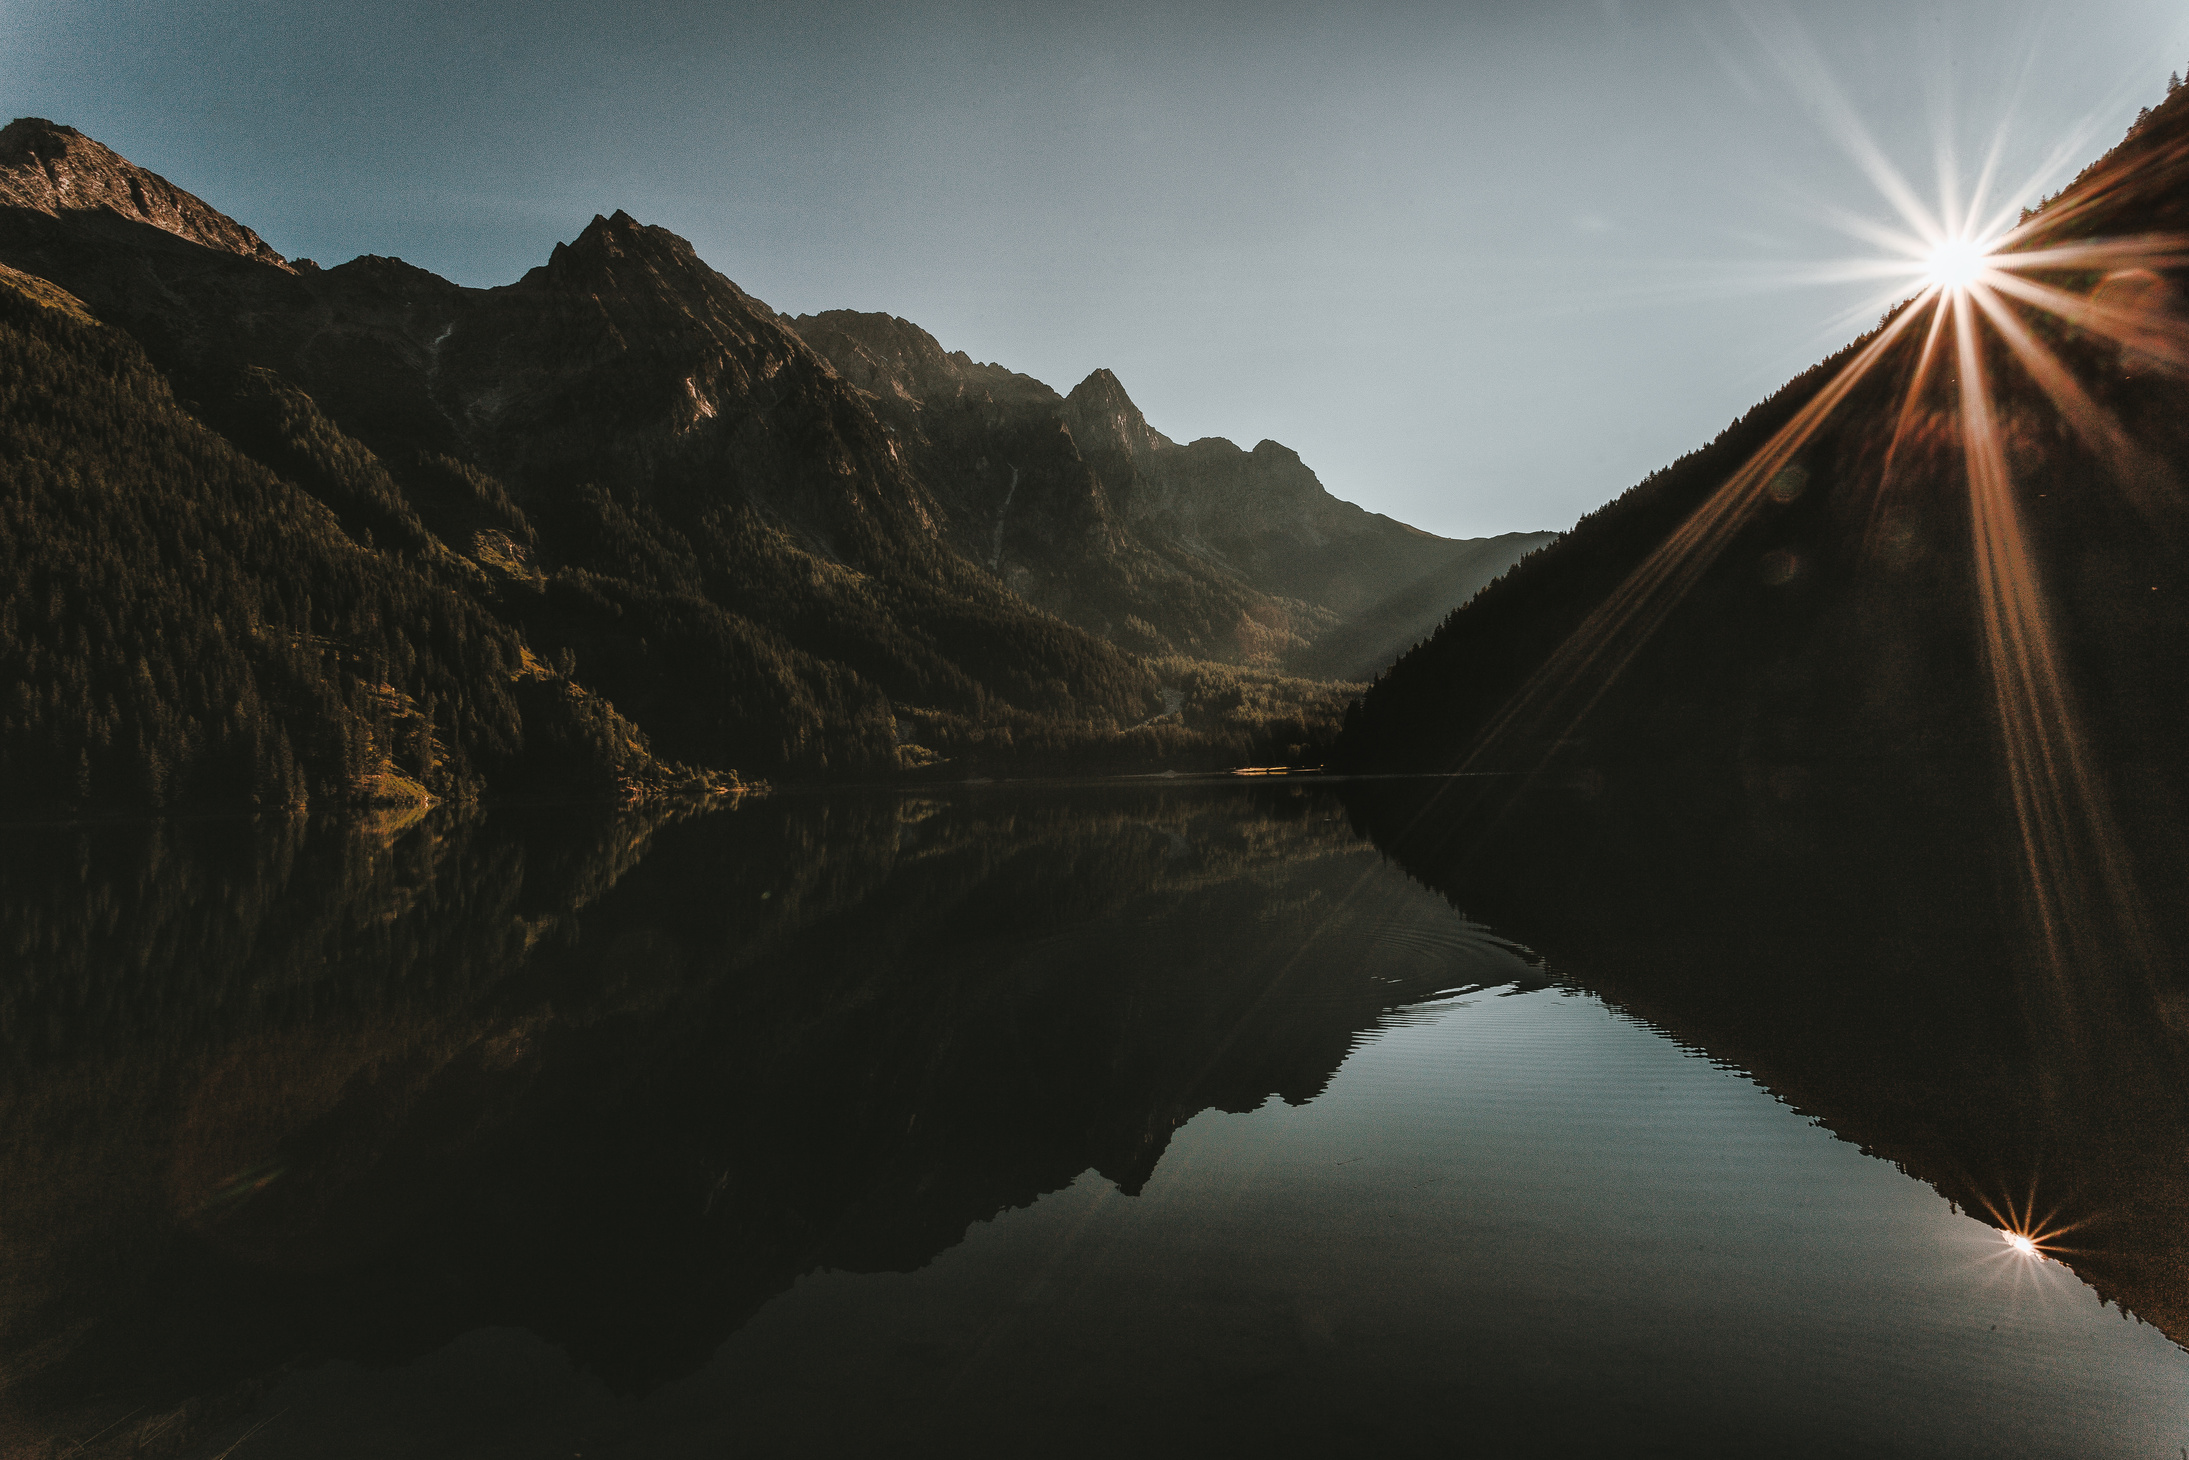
x=1102, y=392
x=1103, y=418
x=617, y=236
x=54, y=169
x=618, y=257
x=615, y=230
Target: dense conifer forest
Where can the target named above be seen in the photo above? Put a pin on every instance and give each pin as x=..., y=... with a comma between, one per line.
x=184, y=627
x=277, y=536
x=192, y=625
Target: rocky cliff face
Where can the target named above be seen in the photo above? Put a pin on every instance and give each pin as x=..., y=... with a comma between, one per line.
x=901, y=364
x=57, y=170
x=1201, y=549
x=1019, y=496
x=624, y=357
x=1104, y=420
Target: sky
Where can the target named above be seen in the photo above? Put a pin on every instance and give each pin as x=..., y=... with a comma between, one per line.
x=1484, y=266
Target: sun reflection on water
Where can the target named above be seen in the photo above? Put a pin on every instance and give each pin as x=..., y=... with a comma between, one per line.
x=2030, y=1237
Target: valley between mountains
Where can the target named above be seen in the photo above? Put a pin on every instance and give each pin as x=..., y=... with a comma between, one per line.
x=283, y=535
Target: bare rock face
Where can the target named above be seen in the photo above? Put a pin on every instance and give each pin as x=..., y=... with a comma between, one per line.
x=1202, y=548
x=1030, y=487
x=53, y=169
x=626, y=357
x=903, y=365
x=1104, y=418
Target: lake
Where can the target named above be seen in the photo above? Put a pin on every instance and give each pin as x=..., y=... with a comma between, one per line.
x=1044, y=1119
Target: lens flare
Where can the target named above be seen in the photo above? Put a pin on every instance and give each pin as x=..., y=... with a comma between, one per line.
x=2029, y=1235
x=1968, y=281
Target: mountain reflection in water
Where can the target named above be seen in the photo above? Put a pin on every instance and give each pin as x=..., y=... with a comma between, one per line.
x=1002, y=1119
x=1861, y=940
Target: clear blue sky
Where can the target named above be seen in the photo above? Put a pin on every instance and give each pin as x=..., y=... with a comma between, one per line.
x=1483, y=265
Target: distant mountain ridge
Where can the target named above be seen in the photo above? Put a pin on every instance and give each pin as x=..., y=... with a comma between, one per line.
x=1200, y=548
x=762, y=553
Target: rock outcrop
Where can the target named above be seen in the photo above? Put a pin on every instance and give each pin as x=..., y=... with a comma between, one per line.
x=1201, y=549
x=53, y=169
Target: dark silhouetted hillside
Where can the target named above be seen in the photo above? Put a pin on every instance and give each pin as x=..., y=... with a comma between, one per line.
x=1838, y=617
x=620, y=486
x=183, y=626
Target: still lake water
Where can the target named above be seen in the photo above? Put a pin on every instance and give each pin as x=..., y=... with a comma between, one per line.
x=997, y=1121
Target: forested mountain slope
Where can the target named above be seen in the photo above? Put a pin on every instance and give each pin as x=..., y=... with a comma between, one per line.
x=1862, y=600
x=628, y=477
x=181, y=625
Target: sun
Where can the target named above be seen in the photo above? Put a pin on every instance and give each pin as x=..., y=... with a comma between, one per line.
x=1955, y=264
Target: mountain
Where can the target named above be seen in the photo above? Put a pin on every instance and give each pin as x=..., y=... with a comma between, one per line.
x=645, y=490
x=1850, y=748
x=1203, y=550
x=183, y=626
x=1849, y=948
x=1843, y=577
x=60, y=172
